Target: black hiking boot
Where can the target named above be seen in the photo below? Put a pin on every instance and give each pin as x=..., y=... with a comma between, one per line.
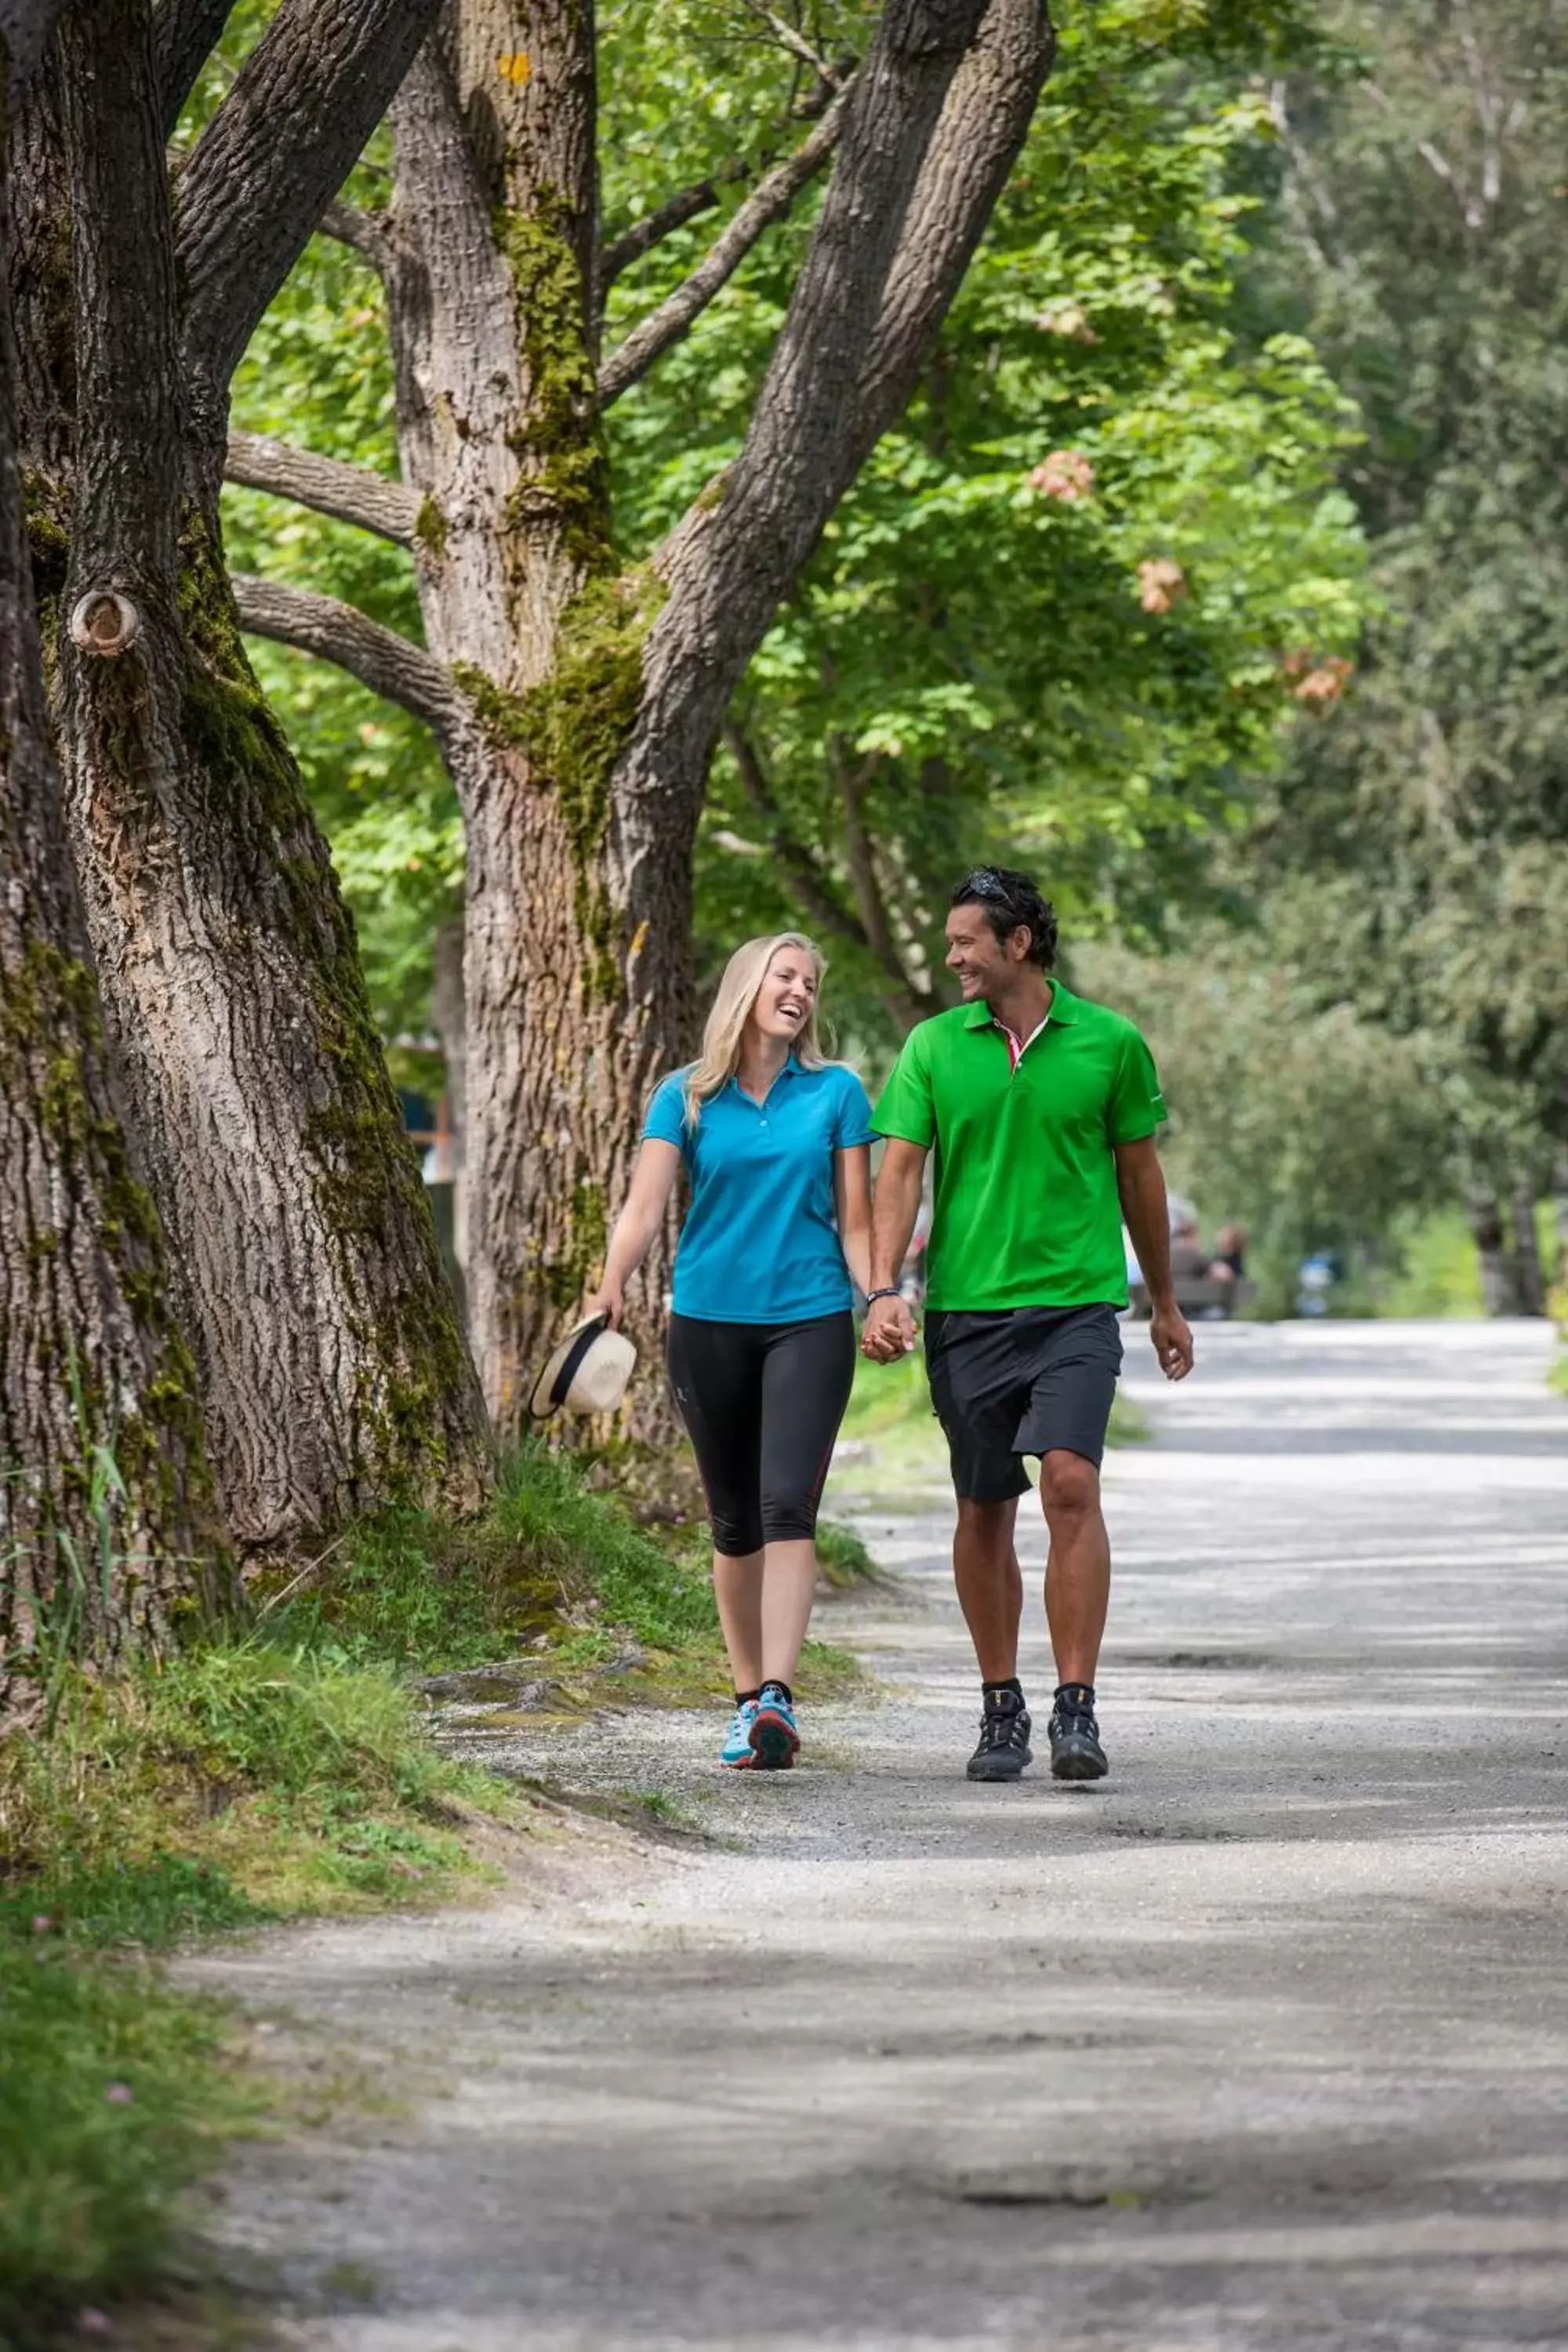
x=1004, y=1749
x=1076, y=1751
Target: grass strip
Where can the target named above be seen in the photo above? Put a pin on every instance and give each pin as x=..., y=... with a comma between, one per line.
x=282, y=1772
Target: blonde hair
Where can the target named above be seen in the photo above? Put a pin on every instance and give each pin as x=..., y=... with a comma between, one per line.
x=743, y=975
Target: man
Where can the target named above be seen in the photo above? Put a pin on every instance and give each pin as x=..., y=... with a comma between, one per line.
x=1043, y=1111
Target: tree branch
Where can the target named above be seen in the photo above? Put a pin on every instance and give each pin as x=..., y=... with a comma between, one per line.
x=184, y=35
x=936, y=119
x=280, y=145
x=389, y=664
x=932, y=131
x=869, y=930
x=990, y=106
x=622, y=251
x=354, y=224
x=852, y=783
x=768, y=202
x=349, y=493
x=803, y=866
x=789, y=38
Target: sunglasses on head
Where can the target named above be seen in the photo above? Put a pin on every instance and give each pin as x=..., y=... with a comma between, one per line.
x=984, y=883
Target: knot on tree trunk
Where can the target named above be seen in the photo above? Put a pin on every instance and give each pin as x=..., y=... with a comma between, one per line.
x=105, y=623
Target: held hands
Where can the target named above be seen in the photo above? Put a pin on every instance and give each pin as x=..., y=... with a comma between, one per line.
x=1172, y=1340
x=889, y=1331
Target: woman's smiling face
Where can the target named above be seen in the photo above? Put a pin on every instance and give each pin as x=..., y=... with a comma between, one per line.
x=784, y=1002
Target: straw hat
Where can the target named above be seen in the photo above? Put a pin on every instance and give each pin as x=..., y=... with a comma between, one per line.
x=587, y=1373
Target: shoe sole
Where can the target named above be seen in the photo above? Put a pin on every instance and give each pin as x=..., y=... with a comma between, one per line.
x=774, y=1744
x=1076, y=1760
x=1006, y=1767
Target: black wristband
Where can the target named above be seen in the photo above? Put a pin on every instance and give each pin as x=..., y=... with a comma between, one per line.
x=891, y=1291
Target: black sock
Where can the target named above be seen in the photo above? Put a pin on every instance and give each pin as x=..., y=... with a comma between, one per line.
x=783, y=1690
x=745, y=1698
x=1012, y=1683
x=1078, y=1698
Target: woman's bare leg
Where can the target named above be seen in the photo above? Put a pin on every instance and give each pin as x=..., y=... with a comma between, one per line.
x=738, y=1590
x=788, y=1589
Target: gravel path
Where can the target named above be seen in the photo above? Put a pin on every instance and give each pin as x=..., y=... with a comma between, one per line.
x=1264, y=2044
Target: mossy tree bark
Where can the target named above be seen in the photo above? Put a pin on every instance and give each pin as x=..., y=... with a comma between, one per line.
x=491, y=258
x=334, y=1372
x=109, y=1532
x=590, y=695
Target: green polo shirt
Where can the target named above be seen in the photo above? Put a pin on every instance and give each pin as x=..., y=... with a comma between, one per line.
x=1027, y=1211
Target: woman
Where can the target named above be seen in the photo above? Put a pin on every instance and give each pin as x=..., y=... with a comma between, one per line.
x=776, y=1142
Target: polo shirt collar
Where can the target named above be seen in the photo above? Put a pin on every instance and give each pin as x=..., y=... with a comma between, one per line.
x=790, y=1070
x=1064, y=1008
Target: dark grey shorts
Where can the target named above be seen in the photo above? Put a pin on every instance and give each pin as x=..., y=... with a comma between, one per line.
x=1029, y=1381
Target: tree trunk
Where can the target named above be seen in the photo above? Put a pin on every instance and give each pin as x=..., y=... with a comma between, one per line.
x=326, y=1340
x=109, y=1531
x=907, y=1004
x=598, y=694
x=492, y=251
x=578, y=700
x=1529, y=1277
x=1499, y=1273
x=1560, y=1222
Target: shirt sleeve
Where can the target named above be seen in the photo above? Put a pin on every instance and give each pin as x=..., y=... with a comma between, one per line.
x=1137, y=1107
x=853, y=1122
x=666, y=1120
x=905, y=1109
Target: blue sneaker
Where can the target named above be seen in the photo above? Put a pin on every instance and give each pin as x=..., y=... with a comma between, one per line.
x=737, y=1750
x=776, y=1742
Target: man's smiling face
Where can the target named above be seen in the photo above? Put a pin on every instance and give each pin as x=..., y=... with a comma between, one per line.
x=974, y=955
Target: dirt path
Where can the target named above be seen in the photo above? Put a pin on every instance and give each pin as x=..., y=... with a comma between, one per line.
x=1264, y=2045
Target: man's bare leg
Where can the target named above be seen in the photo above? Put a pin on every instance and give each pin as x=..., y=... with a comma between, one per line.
x=1078, y=1571
x=1077, y=1593
x=990, y=1584
x=991, y=1595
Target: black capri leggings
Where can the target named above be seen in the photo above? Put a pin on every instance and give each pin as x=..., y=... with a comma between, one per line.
x=763, y=1403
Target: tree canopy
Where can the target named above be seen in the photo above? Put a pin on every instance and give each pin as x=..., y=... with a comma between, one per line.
x=1056, y=613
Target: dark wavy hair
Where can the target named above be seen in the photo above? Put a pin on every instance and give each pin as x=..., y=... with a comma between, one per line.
x=1010, y=902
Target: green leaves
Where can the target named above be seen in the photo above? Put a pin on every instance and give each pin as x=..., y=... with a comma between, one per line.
x=976, y=661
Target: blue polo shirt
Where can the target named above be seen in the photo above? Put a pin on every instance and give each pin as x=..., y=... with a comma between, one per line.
x=761, y=1244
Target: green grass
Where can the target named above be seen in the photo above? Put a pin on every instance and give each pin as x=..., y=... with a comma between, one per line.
x=549, y=1556
x=241, y=1783
x=265, y=1776
x=116, y=2096
x=558, y=1566
x=843, y=1556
